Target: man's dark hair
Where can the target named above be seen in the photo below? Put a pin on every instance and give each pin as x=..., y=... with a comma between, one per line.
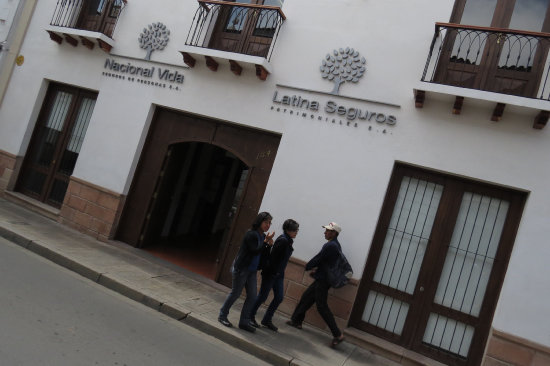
x=290, y=225
x=262, y=216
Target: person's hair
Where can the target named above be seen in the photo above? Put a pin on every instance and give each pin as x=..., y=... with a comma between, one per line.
x=290, y=225
x=262, y=216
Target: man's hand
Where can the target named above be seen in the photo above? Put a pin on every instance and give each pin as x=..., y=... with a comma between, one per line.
x=269, y=238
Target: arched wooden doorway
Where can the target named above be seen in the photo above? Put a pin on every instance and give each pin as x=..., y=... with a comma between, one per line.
x=198, y=186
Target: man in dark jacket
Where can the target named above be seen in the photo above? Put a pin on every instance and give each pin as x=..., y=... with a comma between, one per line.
x=273, y=274
x=317, y=292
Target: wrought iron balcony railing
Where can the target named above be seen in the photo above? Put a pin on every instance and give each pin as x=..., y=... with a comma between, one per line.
x=90, y=15
x=248, y=29
x=498, y=60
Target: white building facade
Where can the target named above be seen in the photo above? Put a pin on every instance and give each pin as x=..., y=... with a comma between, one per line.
x=169, y=126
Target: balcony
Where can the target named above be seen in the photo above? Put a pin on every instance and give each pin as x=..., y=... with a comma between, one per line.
x=90, y=21
x=243, y=35
x=501, y=66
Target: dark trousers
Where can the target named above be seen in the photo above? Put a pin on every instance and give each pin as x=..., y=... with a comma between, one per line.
x=268, y=283
x=241, y=279
x=316, y=293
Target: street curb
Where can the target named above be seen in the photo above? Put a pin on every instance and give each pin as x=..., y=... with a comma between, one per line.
x=106, y=281
x=263, y=352
x=14, y=237
x=63, y=261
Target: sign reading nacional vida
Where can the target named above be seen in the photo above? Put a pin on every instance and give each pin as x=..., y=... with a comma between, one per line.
x=151, y=74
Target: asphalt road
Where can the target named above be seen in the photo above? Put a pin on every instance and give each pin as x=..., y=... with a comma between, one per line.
x=51, y=316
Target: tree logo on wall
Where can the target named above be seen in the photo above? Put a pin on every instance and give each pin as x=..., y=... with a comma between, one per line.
x=154, y=37
x=344, y=65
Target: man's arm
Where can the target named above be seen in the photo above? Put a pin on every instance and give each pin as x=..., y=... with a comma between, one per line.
x=327, y=255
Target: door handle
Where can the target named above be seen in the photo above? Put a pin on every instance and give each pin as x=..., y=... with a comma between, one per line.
x=421, y=289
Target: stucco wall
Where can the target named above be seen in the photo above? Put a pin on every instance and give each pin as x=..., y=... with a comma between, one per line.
x=323, y=171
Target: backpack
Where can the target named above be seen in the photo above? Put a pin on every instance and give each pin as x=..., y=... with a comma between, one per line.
x=339, y=274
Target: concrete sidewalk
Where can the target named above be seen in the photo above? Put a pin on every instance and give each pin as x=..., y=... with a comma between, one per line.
x=173, y=291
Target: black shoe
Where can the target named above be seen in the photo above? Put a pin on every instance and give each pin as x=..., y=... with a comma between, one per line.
x=295, y=325
x=247, y=327
x=270, y=326
x=225, y=322
x=254, y=323
x=336, y=341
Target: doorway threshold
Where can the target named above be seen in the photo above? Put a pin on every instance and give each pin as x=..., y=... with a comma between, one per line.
x=32, y=204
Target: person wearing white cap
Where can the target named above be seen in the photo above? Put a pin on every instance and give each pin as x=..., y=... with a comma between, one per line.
x=317, y=292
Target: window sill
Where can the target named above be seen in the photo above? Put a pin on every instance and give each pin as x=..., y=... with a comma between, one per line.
x=456, y=96
x=237, y=61
x=88, y=38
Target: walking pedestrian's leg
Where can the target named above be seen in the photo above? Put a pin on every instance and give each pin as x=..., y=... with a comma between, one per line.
x=278, y=288
x=251, y=289
x=321, y=295
x=306, y=301
x=265, y=287
x=238, y=282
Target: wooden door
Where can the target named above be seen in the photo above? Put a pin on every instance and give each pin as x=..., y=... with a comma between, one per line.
x=56, y=143
x=247, y=30
x=255, y=149
x=437, y=264
x=100, y=16
x=489, y=55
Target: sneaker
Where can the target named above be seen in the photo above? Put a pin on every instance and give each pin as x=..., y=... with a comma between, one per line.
x=294, y=324
x=269, y=325
x=225, y=322
x=254, y=323
x=247, y=327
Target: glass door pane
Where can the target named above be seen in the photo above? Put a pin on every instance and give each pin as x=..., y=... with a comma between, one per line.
x=71, y=151
x=402, y=253
x=42, y=152
x=519, y=51
x=478, y=12
x=468, y=265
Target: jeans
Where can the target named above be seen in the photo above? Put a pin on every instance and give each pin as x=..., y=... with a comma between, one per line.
x=241, y=279
x=316, y=293
x=268, y=283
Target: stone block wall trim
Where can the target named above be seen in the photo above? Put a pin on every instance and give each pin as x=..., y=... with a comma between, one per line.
x=8, y=164
x=507, y=349
x=91, y=209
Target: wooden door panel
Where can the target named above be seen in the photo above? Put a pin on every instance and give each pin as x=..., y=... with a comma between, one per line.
x=257, y=150
x=168, y=127
x=56, y=143
x=446, y=313
x=488, y=58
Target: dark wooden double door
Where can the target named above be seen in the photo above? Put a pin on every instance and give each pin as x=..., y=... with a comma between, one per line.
x=504, y=50
x=99, y=16
x=437, y=263
x=247, y=30
x=56, y=143
x=199, y=183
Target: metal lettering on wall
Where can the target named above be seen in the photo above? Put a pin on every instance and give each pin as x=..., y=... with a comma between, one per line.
x=340, y=114
x=339, y=67
x=156, y=76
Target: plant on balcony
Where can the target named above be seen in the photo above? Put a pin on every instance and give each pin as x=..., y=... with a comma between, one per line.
x=341, y=66
x=154, y=37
